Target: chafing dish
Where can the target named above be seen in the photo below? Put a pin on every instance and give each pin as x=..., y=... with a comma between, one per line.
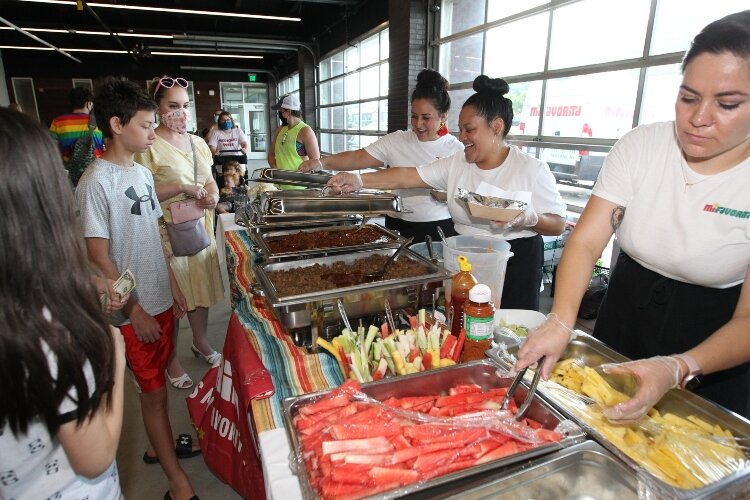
x=484, y=373
x=252, y=218
x=292, y=204
x=679, y=402
x=386, y=239
x=306, y=316
x=290, y=177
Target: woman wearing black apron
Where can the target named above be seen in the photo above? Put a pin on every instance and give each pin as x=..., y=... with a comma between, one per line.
x=676, y=195
x=484, y=121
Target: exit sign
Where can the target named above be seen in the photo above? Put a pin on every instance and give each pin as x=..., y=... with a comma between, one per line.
x=251, y=77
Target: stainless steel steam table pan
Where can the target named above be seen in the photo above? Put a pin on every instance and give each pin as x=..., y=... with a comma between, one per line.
x=290, y=177
x=307, y=202
x=682, y=403
x=483, y=373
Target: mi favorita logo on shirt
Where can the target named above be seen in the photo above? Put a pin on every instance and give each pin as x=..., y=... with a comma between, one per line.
x=732, y=212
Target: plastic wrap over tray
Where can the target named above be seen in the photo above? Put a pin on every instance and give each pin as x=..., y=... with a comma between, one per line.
x=682, y=449
x=485, y=374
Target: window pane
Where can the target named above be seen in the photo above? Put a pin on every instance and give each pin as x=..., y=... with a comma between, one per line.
x=526, y=97
x=352, y=59
x=383, y=116
x=366, y=140
x=598, y=105
x=368, y=115
x=295, y=82
x=337, y=90
x=352, y=142
x=325, y=69
x=325, y=143
x=370, y=50
x=677, y=22
x=370, y=79
x=498, y=9
x=458, y=15
x=352, y=117
x=337, y=145
x=458, y=97
x=583, y=32
x=384, y=44
x=337, y=118
x=528, y=57
x=325, y=118
x=337, y=64
x=352, y=87
x=384, y=79
x=325, y=93
x=660, y=93
x=461, y=60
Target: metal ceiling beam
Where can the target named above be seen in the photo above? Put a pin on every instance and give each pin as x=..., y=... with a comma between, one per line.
x=36, y=38
x=250, y=42
x=106, y=28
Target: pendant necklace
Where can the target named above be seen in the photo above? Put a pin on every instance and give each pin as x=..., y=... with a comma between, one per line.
x=683, y=168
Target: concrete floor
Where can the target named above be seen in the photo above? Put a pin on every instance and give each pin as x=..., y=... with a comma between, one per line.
x=147, y=482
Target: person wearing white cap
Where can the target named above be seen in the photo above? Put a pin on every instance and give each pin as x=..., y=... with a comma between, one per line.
x=293, y=142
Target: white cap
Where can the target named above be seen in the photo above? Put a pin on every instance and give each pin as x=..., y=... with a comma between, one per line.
x=480, y=293
x=291, y=102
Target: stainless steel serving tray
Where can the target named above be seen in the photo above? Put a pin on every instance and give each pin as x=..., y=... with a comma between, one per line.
x=677, y=401
x=261, y=246
x=582, y=471
x=290, y=177
x=484, y=373
x=253, y=219
x=309, y=202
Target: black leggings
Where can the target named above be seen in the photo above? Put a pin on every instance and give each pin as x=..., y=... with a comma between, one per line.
x=646, y=314
x=419, y=229
x=523, y=276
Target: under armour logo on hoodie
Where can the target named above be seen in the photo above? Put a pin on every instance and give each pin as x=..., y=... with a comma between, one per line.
x=136, y=208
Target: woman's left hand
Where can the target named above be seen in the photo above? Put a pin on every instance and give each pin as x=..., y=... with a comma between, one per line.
x=209, y=201
x=527, y=218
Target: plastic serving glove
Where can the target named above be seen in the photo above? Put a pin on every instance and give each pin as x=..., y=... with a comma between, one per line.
x=656, y=376
x=527, y=218
x=311, y=165
x=549, y=339
x=345, y=182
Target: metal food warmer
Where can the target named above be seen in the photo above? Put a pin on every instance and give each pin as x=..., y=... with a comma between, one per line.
x=682, y=403
x=483, y=373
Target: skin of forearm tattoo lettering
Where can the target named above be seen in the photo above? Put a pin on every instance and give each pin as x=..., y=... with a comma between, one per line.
x=616, y=219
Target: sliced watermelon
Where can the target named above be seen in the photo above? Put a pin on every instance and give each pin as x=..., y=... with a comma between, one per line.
x=374, y=459
x=504, y=450
x=327, y=403
x=464, y=388
x=548, y=435
x=429, y=461
x=400, y=442
x=360, y=431
x=330, y=447
x=386, y=475
x=454, y=466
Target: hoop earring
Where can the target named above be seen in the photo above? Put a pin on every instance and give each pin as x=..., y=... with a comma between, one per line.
x=443, y=130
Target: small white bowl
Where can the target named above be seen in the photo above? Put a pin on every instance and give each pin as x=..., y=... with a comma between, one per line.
x=521, y=317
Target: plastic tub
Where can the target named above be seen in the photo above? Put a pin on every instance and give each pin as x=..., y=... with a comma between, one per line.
x=488, y=258
x=421, y=249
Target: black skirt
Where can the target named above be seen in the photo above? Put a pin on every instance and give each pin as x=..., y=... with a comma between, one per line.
x=420, y=229
x=646, y=314
x=523, y=276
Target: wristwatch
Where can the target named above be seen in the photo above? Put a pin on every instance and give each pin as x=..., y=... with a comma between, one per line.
x=692, y=379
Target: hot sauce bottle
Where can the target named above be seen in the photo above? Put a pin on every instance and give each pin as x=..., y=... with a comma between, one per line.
x=479, y=318
x=462, y=282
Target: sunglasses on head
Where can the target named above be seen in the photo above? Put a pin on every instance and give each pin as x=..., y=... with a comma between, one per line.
x=168, y=82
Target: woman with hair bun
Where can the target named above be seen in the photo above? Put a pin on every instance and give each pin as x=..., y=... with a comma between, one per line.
x=427, y=141
x=484, y=122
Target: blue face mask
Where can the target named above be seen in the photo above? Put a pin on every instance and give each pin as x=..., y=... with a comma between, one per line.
x=225, y=125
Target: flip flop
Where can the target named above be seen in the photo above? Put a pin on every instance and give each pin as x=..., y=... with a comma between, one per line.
x=183, y=449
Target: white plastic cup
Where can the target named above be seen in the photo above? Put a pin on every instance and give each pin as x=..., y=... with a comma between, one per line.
x=488, y=257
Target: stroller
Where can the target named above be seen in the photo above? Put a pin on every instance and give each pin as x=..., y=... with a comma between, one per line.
x=220, y=160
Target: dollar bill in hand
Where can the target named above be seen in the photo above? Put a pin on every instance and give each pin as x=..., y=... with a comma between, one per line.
x=124, y=284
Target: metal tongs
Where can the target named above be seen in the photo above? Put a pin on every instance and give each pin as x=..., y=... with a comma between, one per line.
x=529, y=396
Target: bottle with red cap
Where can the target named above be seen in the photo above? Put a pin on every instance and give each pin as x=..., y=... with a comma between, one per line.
x=462, y=282
x=479, y=317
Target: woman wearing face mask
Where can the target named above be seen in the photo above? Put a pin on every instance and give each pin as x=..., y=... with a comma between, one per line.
x=484, y=122
x=675, y=193
x=427, y=140
x=171, y=160
x=293, y=142
x=228, y=143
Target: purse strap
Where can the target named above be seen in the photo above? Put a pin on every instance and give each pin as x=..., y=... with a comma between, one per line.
x=195, y=161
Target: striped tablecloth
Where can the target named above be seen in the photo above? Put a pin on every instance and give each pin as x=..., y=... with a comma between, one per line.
x=292, y=369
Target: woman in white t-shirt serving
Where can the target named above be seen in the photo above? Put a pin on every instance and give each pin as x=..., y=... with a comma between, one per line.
x=484, y=122
x=427, y=141
x=676, y=195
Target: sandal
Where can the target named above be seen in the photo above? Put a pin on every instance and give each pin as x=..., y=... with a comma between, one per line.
x=212, y=359
x=183, y=449
x=182, y=382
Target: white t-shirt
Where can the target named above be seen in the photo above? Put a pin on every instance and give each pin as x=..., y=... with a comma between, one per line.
x=697, y=233
x=34, y=465
x=119, y=204
x=227, y=142
x=403, y=149
x=519, y=172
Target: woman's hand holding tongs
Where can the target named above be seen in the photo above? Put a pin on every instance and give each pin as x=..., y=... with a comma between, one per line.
x=548, y=340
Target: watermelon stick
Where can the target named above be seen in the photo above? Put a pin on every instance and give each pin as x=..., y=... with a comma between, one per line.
x=459, y=345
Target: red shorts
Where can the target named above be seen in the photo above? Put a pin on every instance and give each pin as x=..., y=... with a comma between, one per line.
x=149, y=360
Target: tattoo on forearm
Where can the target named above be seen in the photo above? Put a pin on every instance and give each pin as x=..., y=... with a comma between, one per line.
x=616, y=219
